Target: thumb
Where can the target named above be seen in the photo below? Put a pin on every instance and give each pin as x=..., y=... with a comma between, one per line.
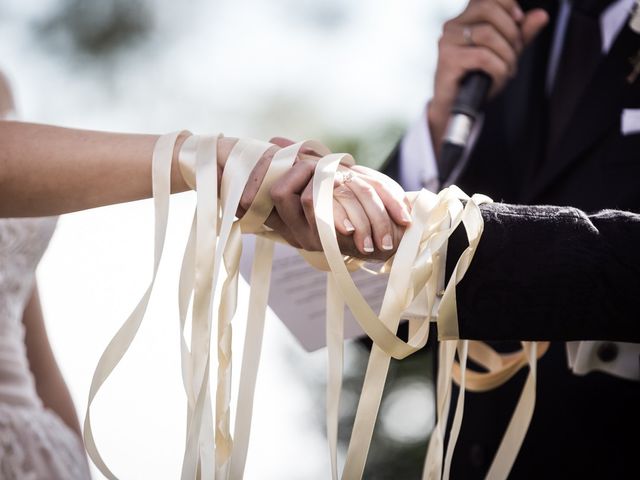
x=534, y=21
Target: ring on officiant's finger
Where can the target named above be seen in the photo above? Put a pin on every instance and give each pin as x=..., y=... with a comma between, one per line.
x=467, y=34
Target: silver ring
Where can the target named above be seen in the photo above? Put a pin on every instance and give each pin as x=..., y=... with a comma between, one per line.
x=467, y=34
x=346, y=177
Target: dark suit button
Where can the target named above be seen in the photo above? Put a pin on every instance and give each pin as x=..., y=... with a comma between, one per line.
x=607, y=351
x=476, y=456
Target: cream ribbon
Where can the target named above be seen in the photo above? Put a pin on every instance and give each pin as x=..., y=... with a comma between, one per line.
x=416, y=276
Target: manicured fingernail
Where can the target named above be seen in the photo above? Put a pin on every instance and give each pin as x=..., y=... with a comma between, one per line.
x=368, y=245
x=348, y=225
x=406, y=216
x=387, y=242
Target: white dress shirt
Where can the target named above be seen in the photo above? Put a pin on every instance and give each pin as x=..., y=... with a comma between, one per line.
x=418, y=169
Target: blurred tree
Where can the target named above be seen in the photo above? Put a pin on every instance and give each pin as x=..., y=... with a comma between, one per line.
x=327, y=15
x=372, y=147
x=98, y=28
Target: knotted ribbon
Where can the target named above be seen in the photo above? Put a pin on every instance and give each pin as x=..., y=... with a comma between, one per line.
x=416, y=290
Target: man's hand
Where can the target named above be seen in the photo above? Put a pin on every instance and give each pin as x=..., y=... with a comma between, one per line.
x=488, y=35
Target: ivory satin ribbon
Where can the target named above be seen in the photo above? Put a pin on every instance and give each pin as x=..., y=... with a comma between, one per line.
x=416, y=281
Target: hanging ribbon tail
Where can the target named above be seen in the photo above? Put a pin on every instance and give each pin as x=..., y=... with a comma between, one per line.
x=260, y=275
x=335, y=351
x=416, y=290
x=118, y=346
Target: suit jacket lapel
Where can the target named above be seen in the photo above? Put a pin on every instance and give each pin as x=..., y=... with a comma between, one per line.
x=528, y=112
x=596, y=114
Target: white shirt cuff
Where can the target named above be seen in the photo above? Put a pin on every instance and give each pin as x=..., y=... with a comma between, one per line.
x=417, y=167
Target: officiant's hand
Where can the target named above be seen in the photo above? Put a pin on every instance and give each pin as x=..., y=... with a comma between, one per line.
x=488, y=35
x=370, y=210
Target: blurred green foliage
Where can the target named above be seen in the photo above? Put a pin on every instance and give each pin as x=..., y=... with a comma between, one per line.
x=97, y=28
x=370, y=148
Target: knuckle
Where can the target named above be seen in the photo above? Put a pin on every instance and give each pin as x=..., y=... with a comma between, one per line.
x=344, y=193
x=449, y=25
x=307, y=200
x=511, y=56
x=483, y=35
x=278, y=192
x=368, y=192
x=445, y=59
x=502, y=69
x=484, y=8
x=375, y=183
x=385, y=224
x=311, y=244
x=291, y=240
x=484, y=58
x=513, y=39
x=489, y=9
x=306, y=163
x=512, y=33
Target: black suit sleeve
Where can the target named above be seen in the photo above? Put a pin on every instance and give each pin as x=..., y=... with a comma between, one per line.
x=391, y=166
x=551, y=273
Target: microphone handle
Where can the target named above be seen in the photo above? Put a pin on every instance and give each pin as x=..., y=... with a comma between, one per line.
x=473, y=92
x=472, y=95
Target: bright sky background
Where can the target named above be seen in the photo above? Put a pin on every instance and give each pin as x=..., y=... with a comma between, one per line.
x=246, y=68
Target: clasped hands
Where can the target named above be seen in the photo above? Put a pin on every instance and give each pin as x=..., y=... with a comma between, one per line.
x=371, y=210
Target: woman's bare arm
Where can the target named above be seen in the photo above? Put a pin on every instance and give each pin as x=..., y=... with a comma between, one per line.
x=47, y=170
x=50, y=385
x=7, y=105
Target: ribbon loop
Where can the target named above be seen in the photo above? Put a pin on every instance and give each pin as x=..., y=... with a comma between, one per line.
x=416, y=290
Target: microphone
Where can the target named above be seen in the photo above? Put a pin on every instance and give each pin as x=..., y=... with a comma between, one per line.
x=474, y=89
x=471, y=98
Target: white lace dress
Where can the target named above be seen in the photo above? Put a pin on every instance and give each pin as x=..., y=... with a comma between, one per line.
x=34, y=443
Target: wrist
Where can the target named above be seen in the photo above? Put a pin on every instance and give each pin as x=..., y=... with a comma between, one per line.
x=225, y=145
x=178, y=182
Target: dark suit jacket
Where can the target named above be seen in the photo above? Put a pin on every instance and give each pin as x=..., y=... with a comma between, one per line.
x=551, y=273
x=554, y=273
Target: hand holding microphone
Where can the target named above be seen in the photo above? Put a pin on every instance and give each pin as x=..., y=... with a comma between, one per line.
x=477, y=54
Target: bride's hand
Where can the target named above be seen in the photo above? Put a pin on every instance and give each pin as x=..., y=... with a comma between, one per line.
x=370, y=210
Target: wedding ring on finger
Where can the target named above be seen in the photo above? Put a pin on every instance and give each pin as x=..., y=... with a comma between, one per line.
x=346, y=177
x=467, y=35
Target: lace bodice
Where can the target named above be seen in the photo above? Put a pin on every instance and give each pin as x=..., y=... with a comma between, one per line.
x=22, y=243
x=34, y=443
